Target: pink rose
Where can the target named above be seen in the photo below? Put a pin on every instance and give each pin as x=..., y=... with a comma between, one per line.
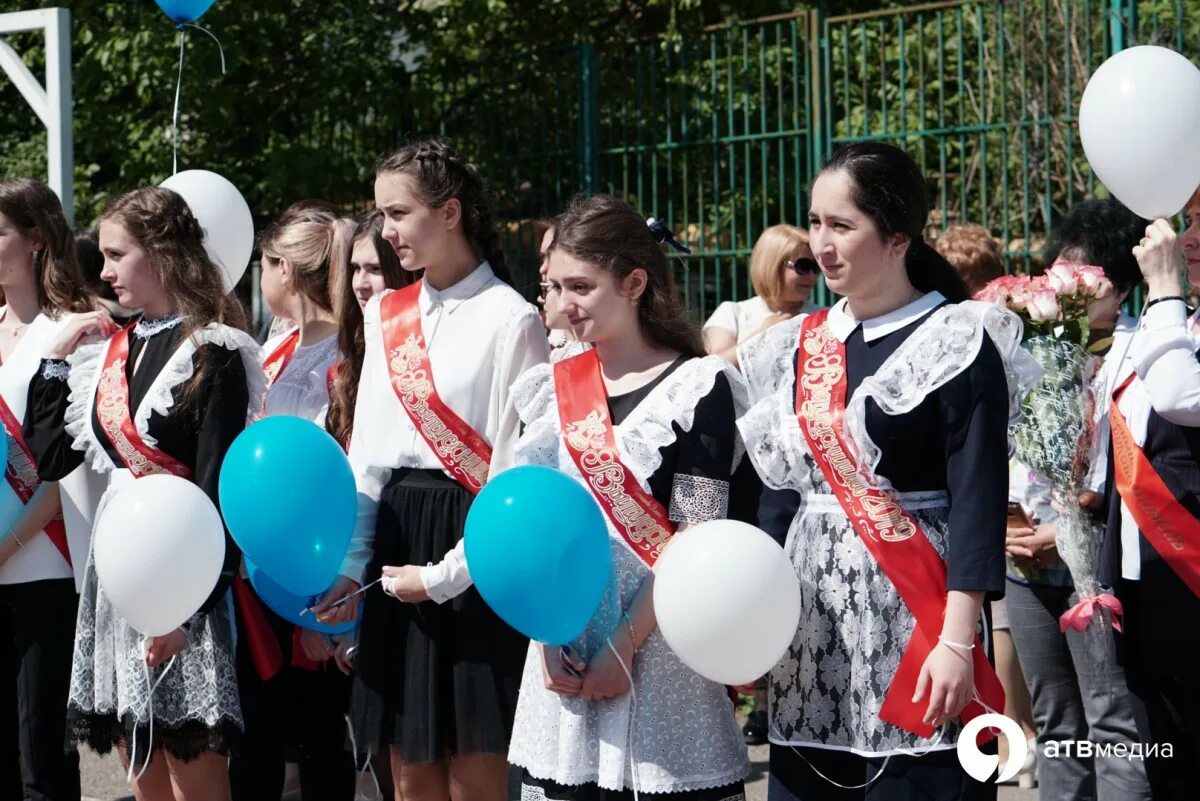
x=1063, y=278
x=1043, y=304
x=1093, y=282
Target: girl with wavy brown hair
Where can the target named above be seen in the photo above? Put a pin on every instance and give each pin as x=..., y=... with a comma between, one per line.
x=177, y=388
x=43, y=290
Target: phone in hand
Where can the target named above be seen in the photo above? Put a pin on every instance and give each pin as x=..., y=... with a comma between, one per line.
x=1018, y=517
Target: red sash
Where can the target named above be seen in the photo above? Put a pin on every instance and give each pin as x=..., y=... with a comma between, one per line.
x=112, y=411
x=277, y=362
x=21, y=474
x=1165, y=523
x=464, y=454
x=588, y=434
x=891, y=535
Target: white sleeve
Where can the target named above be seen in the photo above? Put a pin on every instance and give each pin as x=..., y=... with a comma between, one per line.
x=1164, y=355
x=724, y=317
x=368, y=478
x=524, y=346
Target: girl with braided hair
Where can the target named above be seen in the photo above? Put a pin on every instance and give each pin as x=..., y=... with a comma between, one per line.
x=437, y=672
x=177, y=388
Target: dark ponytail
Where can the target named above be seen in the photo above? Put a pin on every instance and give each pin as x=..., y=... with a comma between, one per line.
x=887, y=186
x=607, y=233
x=440, y=174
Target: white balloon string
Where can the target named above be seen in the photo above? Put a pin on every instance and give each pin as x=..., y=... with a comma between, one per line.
x=367, y=766
x=179, y=86
x=632, y=716
x=175, y=113
x=150, y=687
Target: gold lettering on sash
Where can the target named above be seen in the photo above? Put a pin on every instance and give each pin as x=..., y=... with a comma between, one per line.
x=413, y=387
x=823, y=369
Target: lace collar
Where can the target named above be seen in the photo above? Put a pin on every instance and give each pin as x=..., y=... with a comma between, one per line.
x=148, y=328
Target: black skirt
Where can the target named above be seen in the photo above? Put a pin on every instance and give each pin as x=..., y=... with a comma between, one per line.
x=431, y=680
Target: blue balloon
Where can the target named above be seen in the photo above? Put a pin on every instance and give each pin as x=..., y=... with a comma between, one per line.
x=289, y=606
x=184, y=11
x=287, y=494
x=537, y=548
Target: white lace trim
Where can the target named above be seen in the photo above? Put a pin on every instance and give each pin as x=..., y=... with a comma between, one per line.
x=697, y=499
x=56, y=370
x=648, y=428
x=768, y=359
x=148, y=328
x=85, y=377
x=940, y=349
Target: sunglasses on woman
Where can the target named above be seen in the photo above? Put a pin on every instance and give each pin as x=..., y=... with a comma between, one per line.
x=803, y=265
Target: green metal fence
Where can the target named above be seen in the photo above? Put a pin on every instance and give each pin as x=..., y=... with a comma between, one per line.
x=720, y=132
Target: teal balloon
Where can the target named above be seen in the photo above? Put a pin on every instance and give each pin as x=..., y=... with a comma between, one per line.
x=537, y=549
x=288, y=497
x=182, y=12
x=288, y=606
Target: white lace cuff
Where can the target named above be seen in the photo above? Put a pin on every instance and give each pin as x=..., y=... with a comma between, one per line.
x=696, y=499
x=55, y=369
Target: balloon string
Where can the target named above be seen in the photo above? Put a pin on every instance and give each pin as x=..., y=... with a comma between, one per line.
x=150, y=710
x=175, y=113
x=633, y=776
x=179, y=86
x=367, y=766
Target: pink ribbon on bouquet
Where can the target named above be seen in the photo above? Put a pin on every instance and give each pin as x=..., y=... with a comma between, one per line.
x=1080, y=615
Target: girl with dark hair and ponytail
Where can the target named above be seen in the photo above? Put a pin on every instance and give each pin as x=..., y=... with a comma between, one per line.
x=435, y=679
x=42, y=290
x=301, y=701
x=888, y=413
x=165, y=396
x=646, y=391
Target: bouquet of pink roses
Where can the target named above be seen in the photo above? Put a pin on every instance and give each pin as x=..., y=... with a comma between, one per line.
x=1054, y=304
x=1056, y=433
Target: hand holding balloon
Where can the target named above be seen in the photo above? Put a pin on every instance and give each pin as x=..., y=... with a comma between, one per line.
x=330, y=612
x=1160, y=259
x=404, y=584
x=160, y=649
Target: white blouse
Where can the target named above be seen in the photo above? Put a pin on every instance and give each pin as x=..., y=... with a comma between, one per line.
x=1163, y=353
x=302, y=388
x=743, y=318
x=39, y=559
x=480, y=335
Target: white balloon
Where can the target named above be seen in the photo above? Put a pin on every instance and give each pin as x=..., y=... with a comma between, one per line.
x=1138, y=119
x=224, y=216
x=727, y=600
x=158, y=547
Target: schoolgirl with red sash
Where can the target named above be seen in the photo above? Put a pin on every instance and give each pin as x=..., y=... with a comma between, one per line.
x=892, y=427
x=40, y=559
x=646, y=423
x=303, y=704
x=1151, y=550
x=436, y=672
x=167, y=395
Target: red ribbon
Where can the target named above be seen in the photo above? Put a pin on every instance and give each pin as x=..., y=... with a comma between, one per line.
x=1080, y=615
x=462, y=451
x=588, y=435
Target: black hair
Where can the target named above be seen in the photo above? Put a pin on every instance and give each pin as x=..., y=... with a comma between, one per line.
x=887, y=186
x=1105, y=233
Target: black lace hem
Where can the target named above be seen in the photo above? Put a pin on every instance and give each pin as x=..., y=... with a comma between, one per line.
x=185, y=741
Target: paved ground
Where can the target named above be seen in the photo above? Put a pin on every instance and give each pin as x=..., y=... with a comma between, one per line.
x=103, y=780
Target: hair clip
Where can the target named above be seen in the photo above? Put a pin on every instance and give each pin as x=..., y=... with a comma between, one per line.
x=662, y=234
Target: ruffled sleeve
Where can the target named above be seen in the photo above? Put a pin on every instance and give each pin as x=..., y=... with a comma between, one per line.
x=768, y=360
